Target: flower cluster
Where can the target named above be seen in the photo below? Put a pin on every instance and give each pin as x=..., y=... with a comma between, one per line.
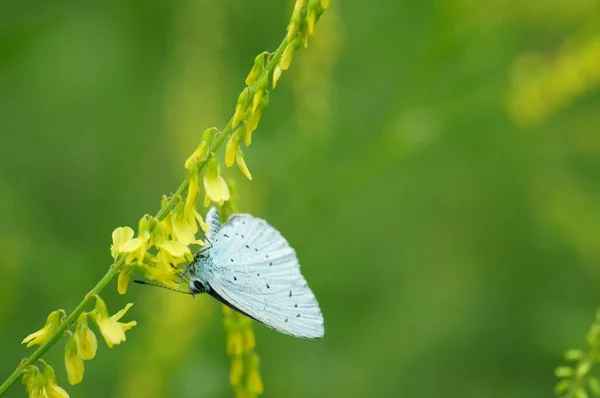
x=244, y=375
x=81, y=346
x=176, y=231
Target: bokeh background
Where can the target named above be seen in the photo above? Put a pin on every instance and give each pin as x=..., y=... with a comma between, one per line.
x=436, y=165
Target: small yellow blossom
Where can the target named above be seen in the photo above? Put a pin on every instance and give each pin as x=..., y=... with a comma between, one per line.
x=138, y=246
x=42, y=384
x=162, y=269
x=240, y=107
x=203, y=147
x=87, y=343
x=214, y=184
x=112, y=330
x=276, y=75
x=51, y=388
x=232, y=146
x=257, y=68
x=124, y=278
x=183, y=223
x=34, y=382
x=44, y=333
x=73, y=362
x=119, y=237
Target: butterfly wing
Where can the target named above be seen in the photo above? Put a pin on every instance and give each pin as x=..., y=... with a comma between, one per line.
x=259, y=275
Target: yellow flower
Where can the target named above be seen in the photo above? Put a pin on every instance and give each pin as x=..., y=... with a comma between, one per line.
x=214, y=185
x=120, y=236
x=124, y=278
x=161, y=269
x=51, y=389
x=232, y=146
x=55, y=391
x=34, y=382
x=138, y=246
x=73, y=362
x=254, y=380
x=112, y=330
x=44, y=333
x=42, y=385
x=237, y=370
x=85, y=339
x=203, y=147
x=183, y=224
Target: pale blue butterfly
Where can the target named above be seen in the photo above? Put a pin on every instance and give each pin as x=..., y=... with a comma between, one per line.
x=251, y=268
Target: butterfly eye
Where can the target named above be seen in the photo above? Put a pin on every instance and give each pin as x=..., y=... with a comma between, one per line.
x=198, y=286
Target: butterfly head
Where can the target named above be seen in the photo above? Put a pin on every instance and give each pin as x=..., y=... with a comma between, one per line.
x=196, y=286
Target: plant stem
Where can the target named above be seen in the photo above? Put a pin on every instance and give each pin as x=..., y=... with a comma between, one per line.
x=116, y=267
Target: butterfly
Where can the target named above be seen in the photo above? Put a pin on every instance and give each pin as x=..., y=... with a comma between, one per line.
x=250, y=267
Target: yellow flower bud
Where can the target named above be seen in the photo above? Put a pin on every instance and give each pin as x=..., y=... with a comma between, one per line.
x=231, y=149
x=73, y=362
x=294, y=24
x=248, y=135
x=276, y=75
x=87, y=343
x=257, y=68
x=288, y=53
x=325, y=4
x=256, y=99
x=44, y=333
x=240, y=107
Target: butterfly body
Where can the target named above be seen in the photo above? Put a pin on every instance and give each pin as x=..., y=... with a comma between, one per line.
x=250, y=267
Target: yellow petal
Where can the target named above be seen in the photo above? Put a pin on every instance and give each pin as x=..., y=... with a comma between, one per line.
x=124, y=279
x=119, y=237
x=55, y=391
x=175, y=248
x=231, y=149
x=242, y=165
x=122, y=312
x=216, y=188
x=73, y=362
x=133, y=245
x=86, y=341
x=204, y=226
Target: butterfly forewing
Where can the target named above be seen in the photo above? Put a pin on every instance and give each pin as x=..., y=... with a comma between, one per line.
x=258, y=273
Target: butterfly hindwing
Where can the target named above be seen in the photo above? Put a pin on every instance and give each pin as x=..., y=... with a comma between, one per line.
x=259, y=274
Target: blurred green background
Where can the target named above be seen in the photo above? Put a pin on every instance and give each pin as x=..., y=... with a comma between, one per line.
x=434, y=163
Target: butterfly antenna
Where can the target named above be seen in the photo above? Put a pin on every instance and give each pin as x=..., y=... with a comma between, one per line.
x=139, y=282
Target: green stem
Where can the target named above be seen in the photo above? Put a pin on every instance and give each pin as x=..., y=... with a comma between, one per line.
x=116, y=267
